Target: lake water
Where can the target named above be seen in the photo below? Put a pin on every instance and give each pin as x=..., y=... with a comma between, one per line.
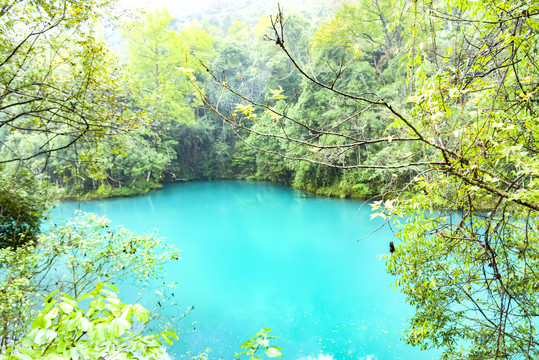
x=257, y=255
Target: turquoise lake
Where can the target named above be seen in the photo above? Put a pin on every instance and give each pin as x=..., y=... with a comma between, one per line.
x=260, y=255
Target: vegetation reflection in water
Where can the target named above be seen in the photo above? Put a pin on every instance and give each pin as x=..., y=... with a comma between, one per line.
x=259, y=255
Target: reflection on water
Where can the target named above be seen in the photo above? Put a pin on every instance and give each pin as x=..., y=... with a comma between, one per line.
x=256, y=255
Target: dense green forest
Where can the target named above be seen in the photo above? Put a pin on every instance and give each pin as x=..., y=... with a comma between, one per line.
x=179, y=139
x=419, y=105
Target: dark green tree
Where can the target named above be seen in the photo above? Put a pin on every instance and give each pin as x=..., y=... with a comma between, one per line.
x=23, y=203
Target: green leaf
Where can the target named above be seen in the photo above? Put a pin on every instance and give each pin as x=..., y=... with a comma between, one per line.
x=166, y=338
x=101, y=330
x=273, y=352
x=75, y=355
x=247, y=344
x=263, y=342
x=85, y=325
x=39, y=321
x=141, y=313
x=52, y=314
x=30, y=352
x=22, y=356
x=66, y=308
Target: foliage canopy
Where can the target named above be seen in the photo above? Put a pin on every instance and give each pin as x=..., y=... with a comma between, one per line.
x=59, y=84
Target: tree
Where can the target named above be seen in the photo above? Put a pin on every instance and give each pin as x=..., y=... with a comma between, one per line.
x=467, y=134
x=23, y=203
x=156, y=55
x=72, y=258
x=72, y=328
x=58, y=83
x=63, y=95
x=62, y=91
x=370, y=29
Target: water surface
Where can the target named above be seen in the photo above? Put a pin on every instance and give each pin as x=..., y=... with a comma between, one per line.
x=258, y=255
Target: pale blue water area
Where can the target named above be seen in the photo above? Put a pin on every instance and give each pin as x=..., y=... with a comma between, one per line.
x=259, y=255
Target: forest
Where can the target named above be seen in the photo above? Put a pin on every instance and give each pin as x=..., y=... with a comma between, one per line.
x=424, y=108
